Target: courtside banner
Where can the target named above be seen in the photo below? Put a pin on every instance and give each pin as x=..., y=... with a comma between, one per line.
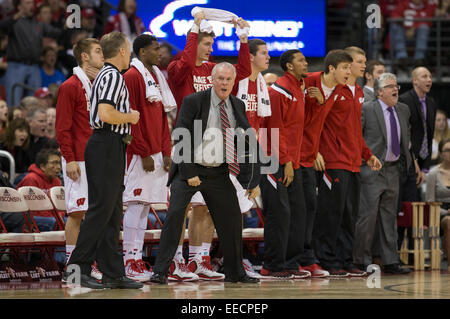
x=283, y=24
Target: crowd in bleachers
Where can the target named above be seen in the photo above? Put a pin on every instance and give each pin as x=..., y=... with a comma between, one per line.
x=401, y=36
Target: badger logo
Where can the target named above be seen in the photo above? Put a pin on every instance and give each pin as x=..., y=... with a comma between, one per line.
x=80, y=201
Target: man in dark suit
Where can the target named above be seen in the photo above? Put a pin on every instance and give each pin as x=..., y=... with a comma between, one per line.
x=203, y=126
x=423, y=115
x=380, y=189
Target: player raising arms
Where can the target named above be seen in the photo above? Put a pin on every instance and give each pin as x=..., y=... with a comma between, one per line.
x=189, y=74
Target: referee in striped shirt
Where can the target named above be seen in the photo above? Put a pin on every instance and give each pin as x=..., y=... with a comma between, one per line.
x=111, y=118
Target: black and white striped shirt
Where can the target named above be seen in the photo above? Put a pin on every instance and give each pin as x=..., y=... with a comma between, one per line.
x=109, y=87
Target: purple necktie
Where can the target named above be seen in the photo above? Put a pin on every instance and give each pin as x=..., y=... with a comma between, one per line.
x=423, y=153
x=395, y=145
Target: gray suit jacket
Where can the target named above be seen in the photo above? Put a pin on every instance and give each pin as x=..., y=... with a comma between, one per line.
x=374, y=132
x=368, y=95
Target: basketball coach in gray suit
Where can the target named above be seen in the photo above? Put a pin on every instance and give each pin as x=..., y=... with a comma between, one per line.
x=385, y=125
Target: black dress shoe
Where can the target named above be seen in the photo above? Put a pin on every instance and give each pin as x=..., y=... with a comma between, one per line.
x=395, y=269
x=159, y=279
x=120, y=283
x=244, y=279
x=90, y=282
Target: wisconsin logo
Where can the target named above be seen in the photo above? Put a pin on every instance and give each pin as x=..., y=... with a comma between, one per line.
x=80, y=201
x=137, y=192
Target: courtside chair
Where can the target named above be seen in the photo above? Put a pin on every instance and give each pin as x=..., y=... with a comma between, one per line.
x=11, y=201
x=37, y=200
x=57, y=196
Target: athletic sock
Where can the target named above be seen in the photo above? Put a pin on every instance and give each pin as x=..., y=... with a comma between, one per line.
x=69, y=250
x=195, y=252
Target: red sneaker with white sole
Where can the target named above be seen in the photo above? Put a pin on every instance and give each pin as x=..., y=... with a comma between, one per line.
x=133, y=271
x=316, y=271
x=203, y=269
x=178, y=271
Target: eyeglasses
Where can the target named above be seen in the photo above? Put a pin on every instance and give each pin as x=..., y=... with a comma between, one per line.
x=392, y=86
x=445, y=151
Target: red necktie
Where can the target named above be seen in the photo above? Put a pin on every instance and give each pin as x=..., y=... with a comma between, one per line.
x=230, y=151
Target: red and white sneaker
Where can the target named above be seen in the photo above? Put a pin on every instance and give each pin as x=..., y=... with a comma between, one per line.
x=178, y=271
x=95, y=273
x=145, y=266
x=133, y=271
x=316, y=271
x=202, y=268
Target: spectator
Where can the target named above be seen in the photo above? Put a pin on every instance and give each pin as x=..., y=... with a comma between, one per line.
x=166, y=56
x=24, y=49
x=88, y=21
x=6, y=8
x=438, y=190
x=45, y=97
x=14, y=113
x=44, y=14
x=270, y=78
x=53, y=89
x=58, y=12
x=441, y=132
x=16, y=140
x=443, y=9
x=3, y=115
x=66, y=60
x=3, y=63
x=387, y=8
x=37, y=118
x=126, y=21
x=411, y=30
x=44, y=175
x=49, y=74
x=51, y=118
x=373, y=70
x=28, y=103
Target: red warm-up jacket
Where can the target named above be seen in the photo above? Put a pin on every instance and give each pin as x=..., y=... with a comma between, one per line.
x=151, y=133
x=315, y=115
x=341, y=142
x=186, y=78
x=288, y=108
x=72, y=120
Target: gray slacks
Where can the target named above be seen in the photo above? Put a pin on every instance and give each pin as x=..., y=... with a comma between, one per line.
x=377, y=214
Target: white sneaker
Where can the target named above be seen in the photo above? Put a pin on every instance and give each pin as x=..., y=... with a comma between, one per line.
x=95, y=273
x=203, y=269
x=145, y=266
x=134, y=272
x=250, y=271
x=178, y=271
